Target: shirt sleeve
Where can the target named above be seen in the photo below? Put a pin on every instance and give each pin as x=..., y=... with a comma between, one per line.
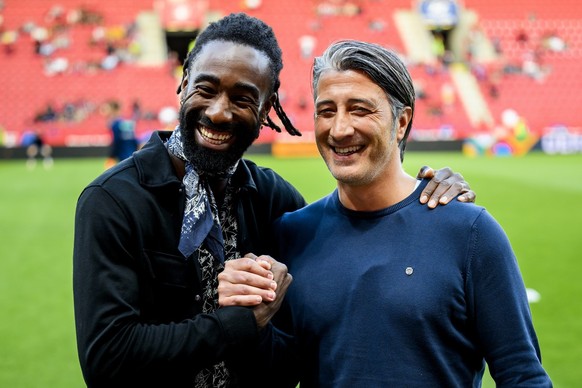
x=114, y=342
x=277, y=358
x=500, y=310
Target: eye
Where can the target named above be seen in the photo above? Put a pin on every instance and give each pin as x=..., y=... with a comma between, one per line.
x=325, y=113
x=205, y=89
x=244, y=100
x=360, y=111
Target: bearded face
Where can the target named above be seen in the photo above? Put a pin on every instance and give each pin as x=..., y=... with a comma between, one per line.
x=227, y=93
x=194, y=124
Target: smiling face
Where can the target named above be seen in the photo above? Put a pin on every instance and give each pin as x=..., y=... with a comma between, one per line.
x=354, y=128
x=227, y=96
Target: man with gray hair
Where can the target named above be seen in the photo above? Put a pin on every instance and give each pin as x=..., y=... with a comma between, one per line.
x=369, y=306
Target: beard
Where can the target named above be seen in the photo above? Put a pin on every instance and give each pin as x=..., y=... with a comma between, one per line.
x=208, y=160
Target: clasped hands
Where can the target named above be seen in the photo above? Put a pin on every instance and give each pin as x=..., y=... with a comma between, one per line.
x=259, y=282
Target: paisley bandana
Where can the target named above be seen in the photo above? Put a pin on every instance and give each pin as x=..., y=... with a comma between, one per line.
x=201, y=222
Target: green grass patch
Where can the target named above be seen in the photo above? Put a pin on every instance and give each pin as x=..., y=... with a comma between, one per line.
x=533, y=197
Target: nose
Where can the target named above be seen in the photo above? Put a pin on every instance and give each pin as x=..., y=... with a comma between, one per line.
x=341, y=126
x=219, y=109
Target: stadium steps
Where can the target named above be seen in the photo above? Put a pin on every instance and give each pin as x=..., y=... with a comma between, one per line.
x=416, y=38
x=474, y=103
x=152, y=41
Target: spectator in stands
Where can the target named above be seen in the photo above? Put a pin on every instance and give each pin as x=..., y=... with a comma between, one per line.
x=496, y=42
x=369, y=307
x=55, y=66
x=110, y=62
x=553, y=42
x=56, y=14
x=307, y=45
x=152, y=233
x=136, y=110
x=522, y=37
x=419, y=88
x=47, y=114
x=377, y=25
x=531, y=66
x=8, y=39
x=252, y=4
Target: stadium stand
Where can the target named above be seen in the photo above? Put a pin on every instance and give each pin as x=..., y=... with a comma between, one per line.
x=538, y=69
x=82, y=84
x=535, y=71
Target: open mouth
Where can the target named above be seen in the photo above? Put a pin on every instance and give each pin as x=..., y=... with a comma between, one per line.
x=216, y=138
x=345, y=151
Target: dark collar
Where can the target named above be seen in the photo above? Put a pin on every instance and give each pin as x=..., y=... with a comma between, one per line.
x=154, y=164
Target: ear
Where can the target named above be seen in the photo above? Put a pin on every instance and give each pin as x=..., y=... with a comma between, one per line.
x=403, y=120
x=184, y=86
x=267, y=107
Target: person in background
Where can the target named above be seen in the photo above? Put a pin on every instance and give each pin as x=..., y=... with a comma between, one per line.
x=37, y=148
x=370, y=305
x=153, y=232
x=123, y=138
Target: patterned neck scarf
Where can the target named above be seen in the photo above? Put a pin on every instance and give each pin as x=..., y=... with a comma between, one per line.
x=218, y=375
x=201, y=222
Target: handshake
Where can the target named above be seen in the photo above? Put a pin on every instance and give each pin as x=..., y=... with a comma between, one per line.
x=254, y=281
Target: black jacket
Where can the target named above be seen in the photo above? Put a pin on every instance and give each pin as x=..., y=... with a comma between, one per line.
x=137, y=298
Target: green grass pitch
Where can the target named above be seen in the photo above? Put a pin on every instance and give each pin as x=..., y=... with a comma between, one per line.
x=536, y=199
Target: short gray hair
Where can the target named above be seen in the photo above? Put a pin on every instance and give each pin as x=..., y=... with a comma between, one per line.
x=383, y=66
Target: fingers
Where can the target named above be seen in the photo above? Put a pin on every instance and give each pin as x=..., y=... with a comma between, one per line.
x=435, y=188
x=230, y=294
x=280, y=272
x=265, y=311
x=444, y=186
x=243, y=283
x=250, y=280
x=247, y=272
x=425, y=172
x=469, y=196
x=251, y=263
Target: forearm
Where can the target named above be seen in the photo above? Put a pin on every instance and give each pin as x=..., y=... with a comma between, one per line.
x=276, y=358
x=126, y=347
x=115, y=339
x=125, y=322
x=503, y=320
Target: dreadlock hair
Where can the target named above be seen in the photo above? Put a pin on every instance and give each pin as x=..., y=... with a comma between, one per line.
x=247, y=30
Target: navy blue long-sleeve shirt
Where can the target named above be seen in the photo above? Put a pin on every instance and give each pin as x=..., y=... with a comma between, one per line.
x=406, y=296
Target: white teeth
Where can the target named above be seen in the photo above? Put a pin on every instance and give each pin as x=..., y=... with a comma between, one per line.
x=217, y=137
x=346, y=150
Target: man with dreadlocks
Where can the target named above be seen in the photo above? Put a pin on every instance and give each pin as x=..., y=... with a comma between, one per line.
x=153, y=232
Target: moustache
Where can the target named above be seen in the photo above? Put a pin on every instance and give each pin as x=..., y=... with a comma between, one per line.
x=193, y=119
